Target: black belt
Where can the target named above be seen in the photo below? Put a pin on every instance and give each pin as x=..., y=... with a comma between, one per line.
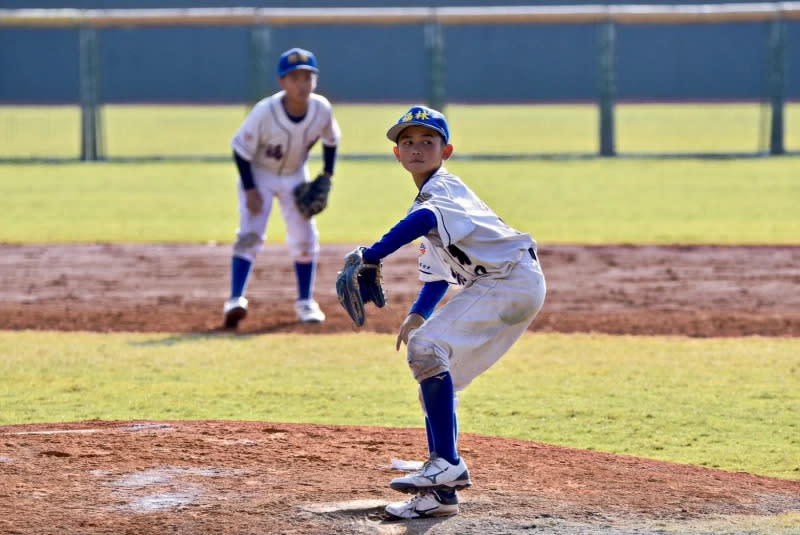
x=532, y=253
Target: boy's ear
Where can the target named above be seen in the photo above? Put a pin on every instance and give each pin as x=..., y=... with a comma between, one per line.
x=447, y=152
x=396, y=152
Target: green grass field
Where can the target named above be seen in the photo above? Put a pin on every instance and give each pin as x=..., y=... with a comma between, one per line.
x=727, y=403
x=598, y=201
x=564, y=201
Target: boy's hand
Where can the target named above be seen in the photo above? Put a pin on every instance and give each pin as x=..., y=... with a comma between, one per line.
x=254, y=201
x=312, y=197
x=413, y=321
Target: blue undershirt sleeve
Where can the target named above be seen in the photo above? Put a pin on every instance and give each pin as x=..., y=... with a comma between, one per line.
x=245, y=171
x=430, y=295
x=329, y=158
x=409, y=228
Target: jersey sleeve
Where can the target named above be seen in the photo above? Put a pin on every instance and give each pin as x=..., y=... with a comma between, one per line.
x=245, y=141
x=331, y=133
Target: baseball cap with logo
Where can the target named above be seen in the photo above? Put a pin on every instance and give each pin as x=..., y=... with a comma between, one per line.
x=422, y=116
x=294, y=59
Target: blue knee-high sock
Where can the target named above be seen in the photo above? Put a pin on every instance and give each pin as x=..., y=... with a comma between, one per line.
x=305, y=279
x=437, y=393
x=240, y=274
x=429, y=432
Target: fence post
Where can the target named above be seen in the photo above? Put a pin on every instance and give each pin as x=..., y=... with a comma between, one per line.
x=607, y=82
x=434, y=48
x=89, y=81
x=258, y=74
x=777, y=48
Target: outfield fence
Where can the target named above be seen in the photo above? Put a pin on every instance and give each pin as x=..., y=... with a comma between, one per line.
x=259, y=22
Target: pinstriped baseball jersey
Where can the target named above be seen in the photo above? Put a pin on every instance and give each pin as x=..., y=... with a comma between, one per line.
x=470, y=241
x=271, y=141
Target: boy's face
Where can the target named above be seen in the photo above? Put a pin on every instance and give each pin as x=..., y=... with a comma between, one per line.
x=298, y=84
x=421, y=150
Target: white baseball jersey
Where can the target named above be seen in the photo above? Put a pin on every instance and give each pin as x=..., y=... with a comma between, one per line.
x=503, y=287
x=271, y=141
x=278, y=150
x=470, y=241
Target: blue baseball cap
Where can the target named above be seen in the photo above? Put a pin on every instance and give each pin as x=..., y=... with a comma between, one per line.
x=422, y=116
x=294, y=59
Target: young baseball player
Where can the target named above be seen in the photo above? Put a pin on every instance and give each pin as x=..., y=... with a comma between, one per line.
x=502, y=289
x=271, y=151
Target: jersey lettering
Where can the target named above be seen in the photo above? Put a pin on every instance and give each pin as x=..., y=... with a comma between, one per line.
x=459, y=278
x=274, y=151
x=460, y=255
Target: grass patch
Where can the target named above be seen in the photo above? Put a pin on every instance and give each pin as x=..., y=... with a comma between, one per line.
x=598, y=201
x=723, y=403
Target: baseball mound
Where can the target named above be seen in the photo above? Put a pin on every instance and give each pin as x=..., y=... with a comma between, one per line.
x=149, y=477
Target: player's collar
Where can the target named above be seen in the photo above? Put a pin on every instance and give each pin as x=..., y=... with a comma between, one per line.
x=441, y=168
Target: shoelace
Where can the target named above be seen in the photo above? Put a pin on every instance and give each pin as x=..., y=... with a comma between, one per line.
x=426, y=465
x=418, y=497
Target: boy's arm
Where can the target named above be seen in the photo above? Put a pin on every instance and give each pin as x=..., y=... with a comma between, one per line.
x=245, y=171
x=329, y=159
x=411, y=227
x=253, y=199
x=414, y=225
x=429, y=296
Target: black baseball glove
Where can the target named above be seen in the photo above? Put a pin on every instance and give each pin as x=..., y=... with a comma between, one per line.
x=312, y=197
x=359, y=283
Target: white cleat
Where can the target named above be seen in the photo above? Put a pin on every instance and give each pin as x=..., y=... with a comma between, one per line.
x=436, y=473
x=234, y=311
x=308, y=311
x=427, y=504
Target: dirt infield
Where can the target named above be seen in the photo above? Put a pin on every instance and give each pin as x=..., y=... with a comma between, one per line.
x=260, y=477
x=691, y=291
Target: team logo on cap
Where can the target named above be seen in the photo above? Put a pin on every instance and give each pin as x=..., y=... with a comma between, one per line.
x=294, y=58
x=420, y=115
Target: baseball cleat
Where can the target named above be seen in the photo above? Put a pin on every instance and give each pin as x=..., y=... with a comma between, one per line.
x=436, y=473
x=308, y=311
x=424, y=505
x=234, y=311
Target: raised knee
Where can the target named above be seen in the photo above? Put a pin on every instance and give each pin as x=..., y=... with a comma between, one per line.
x=424, y=360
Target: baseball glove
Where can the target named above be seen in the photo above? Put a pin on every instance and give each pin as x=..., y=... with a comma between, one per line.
x=359, y=283
x=312, y=197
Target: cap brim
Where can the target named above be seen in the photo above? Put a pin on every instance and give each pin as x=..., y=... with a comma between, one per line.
x=394, y=132
x=300, y=68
